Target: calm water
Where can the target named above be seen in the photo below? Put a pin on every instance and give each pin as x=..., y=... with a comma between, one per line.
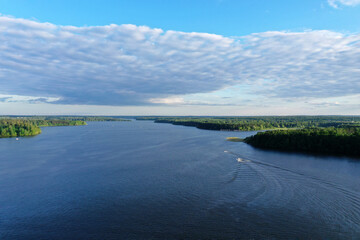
x=141, y=180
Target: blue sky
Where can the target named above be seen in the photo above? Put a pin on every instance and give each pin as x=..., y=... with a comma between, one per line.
x=204, y=57
x=223, y=17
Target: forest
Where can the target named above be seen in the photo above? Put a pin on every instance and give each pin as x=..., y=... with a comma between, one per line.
x=330, y=140
x=86, y=118
x=18, y=128
x=69, y=118
x=316, y=134
x=259, y=123
x=56, y=122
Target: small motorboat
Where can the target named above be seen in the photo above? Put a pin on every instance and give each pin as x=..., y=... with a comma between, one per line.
x=240, y=160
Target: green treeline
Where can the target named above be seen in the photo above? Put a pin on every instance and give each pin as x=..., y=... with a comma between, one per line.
x=343, y=141
x=316, y=134
x=83, y=118
x=258, y=123
x=68, y=118
x=51, y=123
x=18, y=128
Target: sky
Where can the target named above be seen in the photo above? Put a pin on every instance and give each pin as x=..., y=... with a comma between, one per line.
x=199, y=57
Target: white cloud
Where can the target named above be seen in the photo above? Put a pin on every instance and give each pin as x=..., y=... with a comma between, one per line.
x=169, y=100
x=336, y=3
x=27, y=99
x=138, y=65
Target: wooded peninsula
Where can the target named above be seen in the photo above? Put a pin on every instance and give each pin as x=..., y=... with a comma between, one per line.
x=340, y=141
x=21, y=126
x=259, y=123
x=315, y=134
x=18, y=128
x=25, y=127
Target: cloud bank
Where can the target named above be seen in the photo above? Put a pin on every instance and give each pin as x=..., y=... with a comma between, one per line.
x=123, y=65
x=336, y=3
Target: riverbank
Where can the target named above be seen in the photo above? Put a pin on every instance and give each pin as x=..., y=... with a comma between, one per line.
x=332, y=135
x=259, y=123
x=333, y=141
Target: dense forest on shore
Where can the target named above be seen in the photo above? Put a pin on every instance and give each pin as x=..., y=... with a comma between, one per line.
x=259, y=123
x=87, y=118
x=18, y=128
x=69, y=118
x=316, y=134
x=331, y=140
x=56, y=122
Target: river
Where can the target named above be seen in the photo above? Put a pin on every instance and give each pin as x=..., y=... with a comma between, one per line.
x=144, y=180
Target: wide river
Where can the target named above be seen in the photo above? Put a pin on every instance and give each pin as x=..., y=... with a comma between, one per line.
x=143, y=180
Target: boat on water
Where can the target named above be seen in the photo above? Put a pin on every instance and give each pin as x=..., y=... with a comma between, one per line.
x=240, y=160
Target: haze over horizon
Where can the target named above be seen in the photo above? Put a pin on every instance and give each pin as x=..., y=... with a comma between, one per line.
x=217, y=57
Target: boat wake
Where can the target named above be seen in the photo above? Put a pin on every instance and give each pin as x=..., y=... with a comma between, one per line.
x=305, y=196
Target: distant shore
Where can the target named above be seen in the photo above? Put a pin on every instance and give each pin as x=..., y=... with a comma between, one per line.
x=333, y=135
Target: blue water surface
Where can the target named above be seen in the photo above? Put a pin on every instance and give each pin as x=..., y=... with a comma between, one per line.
x=144, y=180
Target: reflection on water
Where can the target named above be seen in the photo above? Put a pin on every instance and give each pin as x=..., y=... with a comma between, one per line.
x=140, y=180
